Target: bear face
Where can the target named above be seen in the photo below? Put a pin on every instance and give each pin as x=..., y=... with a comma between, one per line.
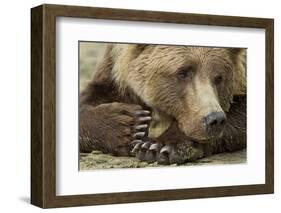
x=192, y=85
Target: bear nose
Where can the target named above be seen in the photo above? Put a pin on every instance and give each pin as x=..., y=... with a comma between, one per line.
x=214, y=122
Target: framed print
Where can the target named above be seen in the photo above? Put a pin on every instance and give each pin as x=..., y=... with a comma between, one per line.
x=135, y=106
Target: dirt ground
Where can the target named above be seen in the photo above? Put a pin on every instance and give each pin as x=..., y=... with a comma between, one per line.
x=97, y=160
x=90, y=54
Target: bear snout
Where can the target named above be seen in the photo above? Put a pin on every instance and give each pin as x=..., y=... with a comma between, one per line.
x=214, y=123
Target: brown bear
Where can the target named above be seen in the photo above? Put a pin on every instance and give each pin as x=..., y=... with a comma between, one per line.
x=166, y=104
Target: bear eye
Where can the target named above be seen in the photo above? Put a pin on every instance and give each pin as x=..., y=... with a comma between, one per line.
x=185, y=72
x=218, y=79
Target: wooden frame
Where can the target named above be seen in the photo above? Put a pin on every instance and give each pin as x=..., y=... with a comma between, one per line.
x=43, y=106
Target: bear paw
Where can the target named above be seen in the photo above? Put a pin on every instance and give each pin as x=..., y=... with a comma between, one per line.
x=178, y=153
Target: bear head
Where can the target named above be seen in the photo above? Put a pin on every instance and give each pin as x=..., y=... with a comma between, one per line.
x=193, y=86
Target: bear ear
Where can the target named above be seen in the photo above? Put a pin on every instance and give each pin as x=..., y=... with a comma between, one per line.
x=139, y=48
x=236, y=52
x=239, y=56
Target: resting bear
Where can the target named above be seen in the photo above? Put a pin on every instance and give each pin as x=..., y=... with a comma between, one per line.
x=165, y=104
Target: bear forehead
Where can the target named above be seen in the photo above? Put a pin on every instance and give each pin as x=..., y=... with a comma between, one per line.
x=190, y=51
x=177, y=56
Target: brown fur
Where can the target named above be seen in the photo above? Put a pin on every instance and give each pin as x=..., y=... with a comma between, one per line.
x=131, y=77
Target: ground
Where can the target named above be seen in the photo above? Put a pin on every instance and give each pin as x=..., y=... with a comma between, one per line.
x=98, y=160
x=90, y=53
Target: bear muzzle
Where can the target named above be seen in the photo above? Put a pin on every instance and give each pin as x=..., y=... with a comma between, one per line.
x=208, y=127
x=214, y=123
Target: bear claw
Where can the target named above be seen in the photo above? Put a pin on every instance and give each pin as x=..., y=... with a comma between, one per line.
x=150, y=156
x=134, y=142
x=139, y=131
x=143, y=116
x=155, y=147
x=146, y=151
x=137, y=147
x=165, y=154
x=145, y=145
x=144, y=119
x=139, y=135
x=142, y=112
x=143, y=149
x=141, y=127
x=166, y=149
x=152, y=152
x=163, y=158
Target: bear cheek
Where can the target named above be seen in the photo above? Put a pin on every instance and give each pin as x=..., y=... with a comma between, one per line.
x=158, y=95
x=225, y=94
x=190, y=126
